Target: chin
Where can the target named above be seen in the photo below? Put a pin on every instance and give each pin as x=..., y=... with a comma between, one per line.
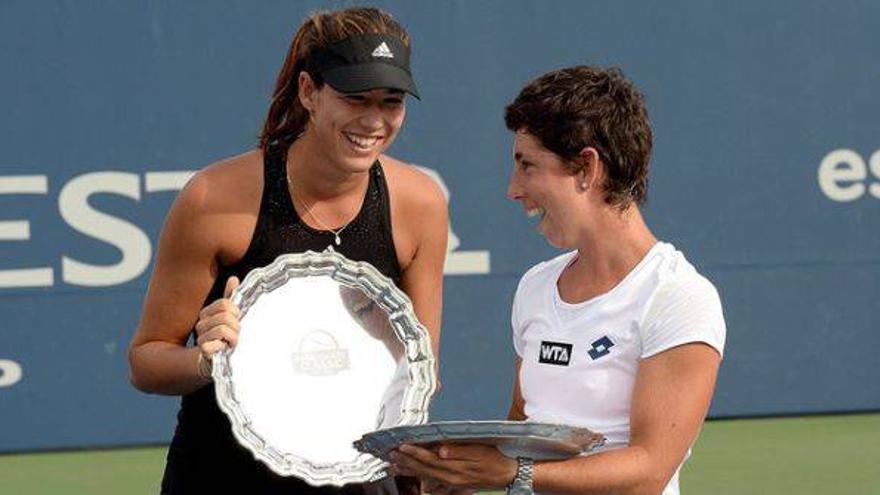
x=556, y=244
x=357, y=163
x=360, y=161
x=553, y=240
x=360, y=164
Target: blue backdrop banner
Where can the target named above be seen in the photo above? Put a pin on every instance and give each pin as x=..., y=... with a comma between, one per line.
x=766, y=173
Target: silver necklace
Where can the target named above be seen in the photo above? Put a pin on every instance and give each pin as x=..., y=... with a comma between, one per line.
x=336, y=238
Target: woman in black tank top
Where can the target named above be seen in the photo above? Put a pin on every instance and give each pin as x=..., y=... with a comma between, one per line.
x=203, y=439
x=337, y=106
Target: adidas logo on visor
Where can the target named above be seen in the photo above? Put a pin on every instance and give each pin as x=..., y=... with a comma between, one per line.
x=383, y=51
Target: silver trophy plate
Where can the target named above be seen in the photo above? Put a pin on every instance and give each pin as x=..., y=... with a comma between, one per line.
x=539, y=441
x=329, y=349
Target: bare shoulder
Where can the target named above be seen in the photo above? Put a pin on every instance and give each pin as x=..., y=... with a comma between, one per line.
x=411, y=187
x=217, y=210
x=226, y=185
x=419, y=213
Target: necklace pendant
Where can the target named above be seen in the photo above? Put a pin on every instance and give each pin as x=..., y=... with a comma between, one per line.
x=337, y=240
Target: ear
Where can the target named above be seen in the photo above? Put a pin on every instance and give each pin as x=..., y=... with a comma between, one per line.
x=591, y=168
x=307, y=91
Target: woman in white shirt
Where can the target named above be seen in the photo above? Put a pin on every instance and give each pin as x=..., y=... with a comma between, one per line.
x=620, y=334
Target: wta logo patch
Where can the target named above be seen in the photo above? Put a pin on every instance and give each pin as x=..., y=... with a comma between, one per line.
x=556, y=353
x=601, y=347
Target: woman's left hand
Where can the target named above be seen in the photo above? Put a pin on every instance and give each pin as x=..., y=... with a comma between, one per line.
x=456, y=465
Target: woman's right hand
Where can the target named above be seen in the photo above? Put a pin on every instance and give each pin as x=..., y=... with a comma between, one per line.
x=218, y=325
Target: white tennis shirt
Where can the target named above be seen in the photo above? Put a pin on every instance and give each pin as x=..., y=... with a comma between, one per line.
x=579, y=361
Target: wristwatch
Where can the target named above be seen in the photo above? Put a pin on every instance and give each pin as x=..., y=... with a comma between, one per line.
x=523, y=482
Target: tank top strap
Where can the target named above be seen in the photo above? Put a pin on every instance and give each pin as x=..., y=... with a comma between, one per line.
x=383, y=217
x=275, y=189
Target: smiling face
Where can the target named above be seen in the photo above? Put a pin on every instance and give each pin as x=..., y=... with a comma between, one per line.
x=548, y=190
x=352, y=129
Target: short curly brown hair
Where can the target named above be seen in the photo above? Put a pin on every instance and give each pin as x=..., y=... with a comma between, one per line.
x=570, y=109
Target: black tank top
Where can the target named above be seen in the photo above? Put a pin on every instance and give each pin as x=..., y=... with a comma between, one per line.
x=204, y=454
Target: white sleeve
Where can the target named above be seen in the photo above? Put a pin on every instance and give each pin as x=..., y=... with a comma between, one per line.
x=684, y=309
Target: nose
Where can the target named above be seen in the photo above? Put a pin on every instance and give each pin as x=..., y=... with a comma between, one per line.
x=514, y=189
x=371, y=118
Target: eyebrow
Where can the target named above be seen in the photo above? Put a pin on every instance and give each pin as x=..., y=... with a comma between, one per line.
x=391, y=92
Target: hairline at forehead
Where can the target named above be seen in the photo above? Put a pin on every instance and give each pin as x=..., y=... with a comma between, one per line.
x=391, y=91
x=519, y=155
x=523, y=132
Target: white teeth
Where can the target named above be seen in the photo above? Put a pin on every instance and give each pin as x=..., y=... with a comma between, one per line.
x=533, y=212
x=362, y=142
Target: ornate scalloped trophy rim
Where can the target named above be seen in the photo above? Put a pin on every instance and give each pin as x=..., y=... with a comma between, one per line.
x=355, y=274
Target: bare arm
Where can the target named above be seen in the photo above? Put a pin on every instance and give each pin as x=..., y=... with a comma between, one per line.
x=671, y=398
x=422, y=278
x=186, y=265
x=420, y=220
x=517, y=404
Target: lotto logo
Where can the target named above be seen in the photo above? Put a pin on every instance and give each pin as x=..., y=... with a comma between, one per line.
x=557, y=353
x=601, y=347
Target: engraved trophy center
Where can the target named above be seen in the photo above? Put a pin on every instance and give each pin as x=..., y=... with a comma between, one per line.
x=319, y=354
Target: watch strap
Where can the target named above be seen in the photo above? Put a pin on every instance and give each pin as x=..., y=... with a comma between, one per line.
x=523, y=482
